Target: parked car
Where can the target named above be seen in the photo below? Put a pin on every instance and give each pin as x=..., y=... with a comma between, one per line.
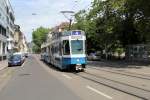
x=94, y=57
x=15, y=60
x=26, y=54
x=22, y=55
x=42, y=56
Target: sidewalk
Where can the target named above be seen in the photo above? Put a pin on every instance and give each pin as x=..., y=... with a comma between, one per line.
x=120, y=64
x=3, y=64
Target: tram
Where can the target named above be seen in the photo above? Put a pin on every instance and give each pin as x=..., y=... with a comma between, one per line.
x=66, y=50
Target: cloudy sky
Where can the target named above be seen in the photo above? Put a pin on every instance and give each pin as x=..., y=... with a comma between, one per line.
x=47, y=12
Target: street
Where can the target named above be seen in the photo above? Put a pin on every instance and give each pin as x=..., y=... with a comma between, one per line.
x=74, y=50
x=32, y=82
x=35, y=80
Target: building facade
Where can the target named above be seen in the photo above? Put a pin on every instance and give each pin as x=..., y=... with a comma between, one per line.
x=10, y=27
x=20, y=43
x=6, y=28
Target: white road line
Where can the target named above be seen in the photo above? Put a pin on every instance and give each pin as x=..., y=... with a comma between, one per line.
x=2, y=68
x=68, y=77
x=98, y=92
x=23, y=64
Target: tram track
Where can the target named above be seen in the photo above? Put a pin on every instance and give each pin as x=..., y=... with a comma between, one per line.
x=125, y=73
x=117, y=85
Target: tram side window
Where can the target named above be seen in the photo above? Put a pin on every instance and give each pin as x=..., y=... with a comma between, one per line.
x=52, y=49
x=60, y=51
x=66, y=47
x=49, y=49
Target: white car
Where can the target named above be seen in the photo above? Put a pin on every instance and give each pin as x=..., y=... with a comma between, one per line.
x=94, y=57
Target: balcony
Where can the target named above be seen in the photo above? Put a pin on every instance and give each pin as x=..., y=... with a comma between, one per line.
x=10, y=39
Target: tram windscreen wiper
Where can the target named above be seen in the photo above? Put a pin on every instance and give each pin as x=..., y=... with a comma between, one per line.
x=80, y=49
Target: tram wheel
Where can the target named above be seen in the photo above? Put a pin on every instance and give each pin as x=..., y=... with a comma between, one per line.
x=83, y=70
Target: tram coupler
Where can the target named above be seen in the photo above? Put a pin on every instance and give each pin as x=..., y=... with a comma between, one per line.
x=79, y=67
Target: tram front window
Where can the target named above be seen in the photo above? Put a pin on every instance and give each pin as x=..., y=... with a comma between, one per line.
x=66, y=47
x=77, y=46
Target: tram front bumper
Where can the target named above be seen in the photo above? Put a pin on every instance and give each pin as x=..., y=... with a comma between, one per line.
x=78, y=67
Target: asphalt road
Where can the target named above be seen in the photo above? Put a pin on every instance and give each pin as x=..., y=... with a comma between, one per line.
x=35, y=80
x=32, y=82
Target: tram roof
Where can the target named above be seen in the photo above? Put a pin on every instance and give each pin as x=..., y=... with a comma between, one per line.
x=57, y=34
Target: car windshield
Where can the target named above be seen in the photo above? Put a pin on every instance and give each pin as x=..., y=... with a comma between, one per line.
x=77, y=46
x=15, y=57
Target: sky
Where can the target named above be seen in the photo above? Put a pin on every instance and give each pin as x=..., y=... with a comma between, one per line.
x=46, y=13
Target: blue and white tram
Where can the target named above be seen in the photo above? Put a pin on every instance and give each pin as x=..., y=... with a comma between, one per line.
x=67, y=50
x=45, y=51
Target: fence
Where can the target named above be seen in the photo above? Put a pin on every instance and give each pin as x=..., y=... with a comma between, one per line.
x=140, y=52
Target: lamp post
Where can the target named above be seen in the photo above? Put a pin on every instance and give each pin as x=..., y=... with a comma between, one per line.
x=65, y=13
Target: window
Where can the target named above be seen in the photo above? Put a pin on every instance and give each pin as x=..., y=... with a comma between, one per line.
x=4, y=48
x=66, y=47
x=2, y=31
x=77, y=46
x=60, y=49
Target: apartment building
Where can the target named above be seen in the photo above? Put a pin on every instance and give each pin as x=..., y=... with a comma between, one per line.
x=6, y=28
x=10, y=26
x=21, y=44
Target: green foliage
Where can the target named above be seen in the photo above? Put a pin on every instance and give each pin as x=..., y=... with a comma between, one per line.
x=113, y=24
x=36, y=49
x=39, y=36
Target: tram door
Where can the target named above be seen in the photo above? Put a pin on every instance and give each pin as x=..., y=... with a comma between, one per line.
x=60, y=52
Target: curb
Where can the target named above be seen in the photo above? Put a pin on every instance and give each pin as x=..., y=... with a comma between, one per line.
x=2, y=68
x=3, y=65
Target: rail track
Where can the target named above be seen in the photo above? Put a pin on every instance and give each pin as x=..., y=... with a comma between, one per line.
x=125, y=73
x=117, y=85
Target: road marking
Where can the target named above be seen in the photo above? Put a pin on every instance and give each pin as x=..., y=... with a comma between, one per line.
x=23, y=64
x=2, y=68
x=98, y=92
x=68, y=77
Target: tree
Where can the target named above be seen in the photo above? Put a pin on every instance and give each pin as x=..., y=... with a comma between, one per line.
x=134, y=23
x=113, y=24
x=39, y=36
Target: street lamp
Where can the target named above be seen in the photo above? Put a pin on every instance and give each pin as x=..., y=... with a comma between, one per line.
x=65, y=13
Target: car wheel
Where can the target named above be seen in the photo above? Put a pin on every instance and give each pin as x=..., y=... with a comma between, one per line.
x=20, y=64
x=9, y=65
